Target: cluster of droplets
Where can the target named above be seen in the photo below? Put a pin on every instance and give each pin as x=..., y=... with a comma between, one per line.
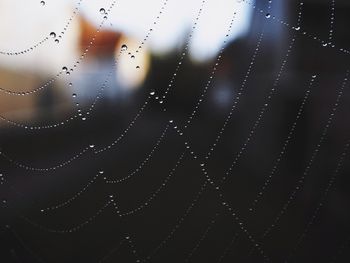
x=104, y=13
x=148, y=34
x=65, y=28
x=2, y=179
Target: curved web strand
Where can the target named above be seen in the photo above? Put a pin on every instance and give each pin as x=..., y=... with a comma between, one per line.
x=261, y=113
x=152, y=196
x=297, y=29
x=340, y=251
x=112, y=251
x=143, y=163
x=322, y=200
x=284, y=149
x=112, y=201
x=300, y=182
x=82, y=115
x=67, y=230
x=45, y=39
x=106, y=180
x=65, y=69
x=331, y=22
x=228, y=248
x=239, y=93
x=202, y=237
x=178, y=224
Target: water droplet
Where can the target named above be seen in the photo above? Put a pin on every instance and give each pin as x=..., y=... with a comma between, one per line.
x=70, y=84
x=137, y=67
x=53, y=34
x=74, y=95
x=42, y=3
x=57, y=41
x=268, y=15
x=152, y=93
x=132, y=56
x=64, y=69
x=124, y=47
x=102, y=11
x=297, y=28
x=92, y=146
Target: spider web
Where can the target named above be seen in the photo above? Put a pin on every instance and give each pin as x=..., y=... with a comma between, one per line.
x=242, y=157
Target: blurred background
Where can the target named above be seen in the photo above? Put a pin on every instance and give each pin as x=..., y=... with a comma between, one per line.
x=63, y=96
